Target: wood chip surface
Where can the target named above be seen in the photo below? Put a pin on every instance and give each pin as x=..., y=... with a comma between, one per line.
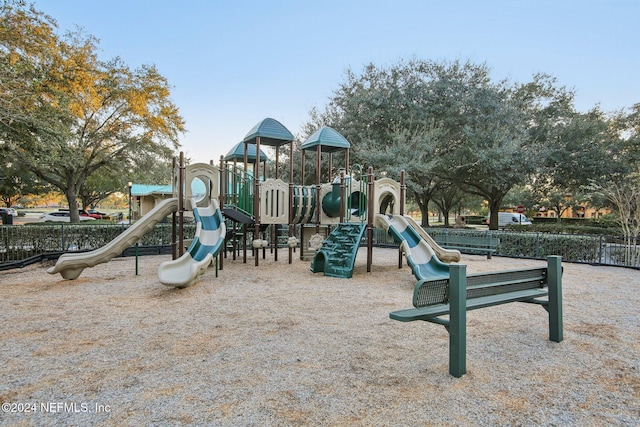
x=278, y=345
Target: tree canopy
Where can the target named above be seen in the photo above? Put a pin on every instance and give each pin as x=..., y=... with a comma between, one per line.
x=66, y=114
x=444, y=123
x=452, y=128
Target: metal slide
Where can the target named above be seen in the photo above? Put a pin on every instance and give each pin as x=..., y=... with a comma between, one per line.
x=208, y=240
x=420, y=256
x=71, y=265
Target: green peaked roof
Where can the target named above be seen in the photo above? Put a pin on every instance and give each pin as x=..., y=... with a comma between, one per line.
x=237, y=153
x=328, y=139
x=270, y=131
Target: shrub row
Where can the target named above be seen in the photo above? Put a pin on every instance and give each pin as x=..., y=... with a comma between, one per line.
x=572, y=226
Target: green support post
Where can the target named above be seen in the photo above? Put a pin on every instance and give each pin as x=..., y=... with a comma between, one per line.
x=458, y=320
x=554, y=266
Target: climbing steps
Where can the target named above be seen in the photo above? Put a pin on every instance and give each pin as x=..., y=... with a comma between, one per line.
x=337, y=255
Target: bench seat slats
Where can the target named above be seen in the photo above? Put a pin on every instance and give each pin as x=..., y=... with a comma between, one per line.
x=429, y=312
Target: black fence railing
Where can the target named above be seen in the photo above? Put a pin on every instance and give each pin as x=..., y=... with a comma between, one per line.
x=578, y=248
x=20, y=243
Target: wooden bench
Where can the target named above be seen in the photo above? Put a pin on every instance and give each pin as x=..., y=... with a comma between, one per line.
x=469, y=244
x=434, y=299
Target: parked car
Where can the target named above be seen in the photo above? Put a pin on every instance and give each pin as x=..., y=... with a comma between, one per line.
x=61, y=216
x=100, y=215
x=8, y=211
x=82, y=213
x=88, y=213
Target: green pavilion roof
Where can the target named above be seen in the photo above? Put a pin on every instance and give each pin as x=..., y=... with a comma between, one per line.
x=237, y=153
x=271, y=132
x=328, y=139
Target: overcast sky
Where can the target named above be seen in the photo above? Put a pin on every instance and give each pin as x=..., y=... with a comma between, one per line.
x=233, y=63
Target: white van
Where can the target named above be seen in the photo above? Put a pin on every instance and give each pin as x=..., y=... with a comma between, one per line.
x=506, y=218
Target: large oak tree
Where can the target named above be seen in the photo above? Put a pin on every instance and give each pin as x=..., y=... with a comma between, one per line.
x=446, y=121
x=66, y=114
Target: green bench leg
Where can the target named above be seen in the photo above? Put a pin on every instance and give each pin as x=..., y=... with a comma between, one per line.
x=554, y=266
x=458, y=320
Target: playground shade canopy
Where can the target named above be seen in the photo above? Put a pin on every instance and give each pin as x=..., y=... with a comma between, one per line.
x=270, y=131
x=328, y=139
x=237, y=153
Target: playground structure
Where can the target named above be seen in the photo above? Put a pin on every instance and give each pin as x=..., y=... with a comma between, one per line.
x=239, y=208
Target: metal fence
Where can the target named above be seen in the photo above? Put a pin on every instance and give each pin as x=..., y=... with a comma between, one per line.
x=578, y=248
x=19, y=244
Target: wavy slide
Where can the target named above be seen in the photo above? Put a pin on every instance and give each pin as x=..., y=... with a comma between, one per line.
x=444, y=255
x=420, y=256
x=70, y=266
x=209, y=239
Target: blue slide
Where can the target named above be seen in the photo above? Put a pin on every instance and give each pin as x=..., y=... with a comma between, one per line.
x=420, y=256
x=208, y=240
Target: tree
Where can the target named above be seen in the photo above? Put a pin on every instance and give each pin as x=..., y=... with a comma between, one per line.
x=624, y=198
x=622, y=190
x=486, y=151
x=67, y=113
x=383, y=113
x=12, y=184
x=447, y=122
x=408, y=150
x=141, y=167
x=585, y=148
x=626, y=129
x=16, y=182
x=448, y=197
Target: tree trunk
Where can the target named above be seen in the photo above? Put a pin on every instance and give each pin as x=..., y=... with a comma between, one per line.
x=494, y=208
x=445, y=214
x=72, y=199
x=424, y=211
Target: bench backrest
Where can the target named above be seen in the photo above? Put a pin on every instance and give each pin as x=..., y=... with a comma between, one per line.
x=431, y=292
x=453, y=239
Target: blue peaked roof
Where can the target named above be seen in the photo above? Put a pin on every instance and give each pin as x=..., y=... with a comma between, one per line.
x=145, y=190
x=237, y=153
x=270, y=131
x=197, y=187
x=328, y=139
